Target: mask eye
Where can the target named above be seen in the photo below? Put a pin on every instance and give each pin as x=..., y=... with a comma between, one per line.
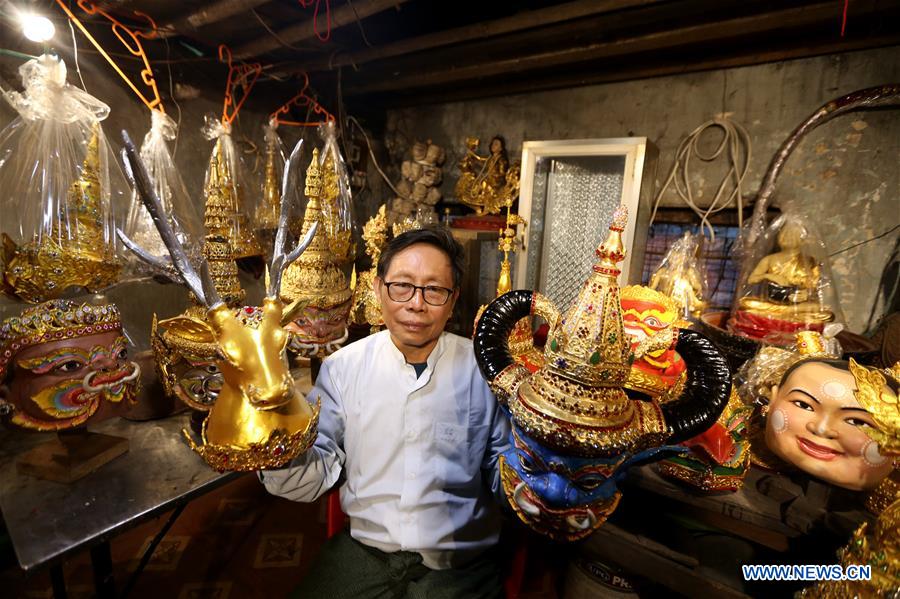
x=857, y=422
x=589, y=483
x=528, y=465
x=123, y=354
x=803, y=405
x=68, y=367
x=212, y=369
x=653, y=322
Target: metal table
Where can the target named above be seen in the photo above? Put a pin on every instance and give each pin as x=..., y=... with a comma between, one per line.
x=48, y=521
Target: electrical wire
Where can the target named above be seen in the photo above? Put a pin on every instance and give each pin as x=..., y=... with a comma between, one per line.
x=736, y=143
x=272, y=33
x=865, y=241
x=172, y=95
x=352, y=120
x=359, y=24
x=75, y=50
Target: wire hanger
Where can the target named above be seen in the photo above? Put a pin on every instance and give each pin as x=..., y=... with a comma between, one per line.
x=242, y=76
x=301, y=100
x=132, y=42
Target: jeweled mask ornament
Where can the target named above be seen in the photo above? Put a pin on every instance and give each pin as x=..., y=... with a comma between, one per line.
x=258, y=420
x=60, y=360
x=574, y=409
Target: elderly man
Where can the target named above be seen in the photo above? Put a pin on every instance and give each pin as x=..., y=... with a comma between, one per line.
x=411, y=432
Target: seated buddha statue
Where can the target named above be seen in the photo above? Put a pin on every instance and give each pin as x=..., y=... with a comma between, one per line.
x=678, y=276
x=787, y=298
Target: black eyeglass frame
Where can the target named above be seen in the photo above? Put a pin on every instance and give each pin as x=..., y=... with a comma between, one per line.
x=415, y=288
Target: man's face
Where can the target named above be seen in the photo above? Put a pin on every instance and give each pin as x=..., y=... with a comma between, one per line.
x=815, y=423
x=416, y=325
x=59, y=384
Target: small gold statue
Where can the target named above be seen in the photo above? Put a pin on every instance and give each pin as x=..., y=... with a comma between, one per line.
x=487, y=183
x=790, y=292
x=678, y=277
x=366, y=307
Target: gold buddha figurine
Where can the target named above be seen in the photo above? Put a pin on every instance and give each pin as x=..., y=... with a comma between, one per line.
x=678, y=277
x=789, y=297
x=487, y=183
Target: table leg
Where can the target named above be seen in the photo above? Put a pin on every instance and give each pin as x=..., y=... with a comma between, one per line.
x=101, y=560
x=148, y=553
x=58, y=581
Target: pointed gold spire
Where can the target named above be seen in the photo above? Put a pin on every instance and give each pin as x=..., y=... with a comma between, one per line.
x=77, y=250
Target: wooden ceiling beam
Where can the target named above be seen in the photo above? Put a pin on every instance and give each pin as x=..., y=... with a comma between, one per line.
x=704, y=33
x=477, y=31
x=627, y=73
x=208, y=15
x=343, y=15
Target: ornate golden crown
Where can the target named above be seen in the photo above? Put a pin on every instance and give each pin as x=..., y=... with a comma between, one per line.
x=52, y=321
x=74, y=253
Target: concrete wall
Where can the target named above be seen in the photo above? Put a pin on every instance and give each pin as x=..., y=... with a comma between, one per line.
x=844, y=174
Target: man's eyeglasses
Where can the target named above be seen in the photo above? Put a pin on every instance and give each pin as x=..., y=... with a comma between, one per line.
x=432, y=294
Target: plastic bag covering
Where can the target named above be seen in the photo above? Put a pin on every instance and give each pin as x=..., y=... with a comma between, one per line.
x=337, y=203
x=60, y=208
x=786, y=286
x=227, y=212
x=681, y=277
x=171, y=190
x=268, y=208
x=754, y=380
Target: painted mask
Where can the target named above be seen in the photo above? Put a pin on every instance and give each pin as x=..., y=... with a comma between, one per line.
x=650, y=321
x=565, y=497
x=815, y=423
x=61, y=360
x=186, y=362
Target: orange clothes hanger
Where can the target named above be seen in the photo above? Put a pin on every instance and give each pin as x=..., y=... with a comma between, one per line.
x=301, y=100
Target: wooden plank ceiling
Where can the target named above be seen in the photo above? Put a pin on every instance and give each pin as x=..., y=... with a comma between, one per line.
x=395, y=52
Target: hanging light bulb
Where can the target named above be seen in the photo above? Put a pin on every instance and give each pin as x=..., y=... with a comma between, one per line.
x=37, y=28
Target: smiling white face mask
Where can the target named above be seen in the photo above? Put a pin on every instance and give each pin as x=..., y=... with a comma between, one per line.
x=816, y=424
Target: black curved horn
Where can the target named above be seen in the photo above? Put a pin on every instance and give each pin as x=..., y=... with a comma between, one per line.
x=491, y=335
x=706, y=392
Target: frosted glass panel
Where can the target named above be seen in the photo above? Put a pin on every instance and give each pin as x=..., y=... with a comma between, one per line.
x=573, y=200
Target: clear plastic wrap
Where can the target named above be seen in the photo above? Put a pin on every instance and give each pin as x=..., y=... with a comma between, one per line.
x=754, y=380
x=681, y=276
x=786, y=285
x=337, y=199
x=171, y=190
x=227, y=211
x=268, y=208
x=60, y=203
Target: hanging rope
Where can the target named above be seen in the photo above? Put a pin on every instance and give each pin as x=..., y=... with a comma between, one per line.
x=736, y=145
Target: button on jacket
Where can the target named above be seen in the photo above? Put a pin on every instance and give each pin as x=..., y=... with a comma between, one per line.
x=419, y=455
